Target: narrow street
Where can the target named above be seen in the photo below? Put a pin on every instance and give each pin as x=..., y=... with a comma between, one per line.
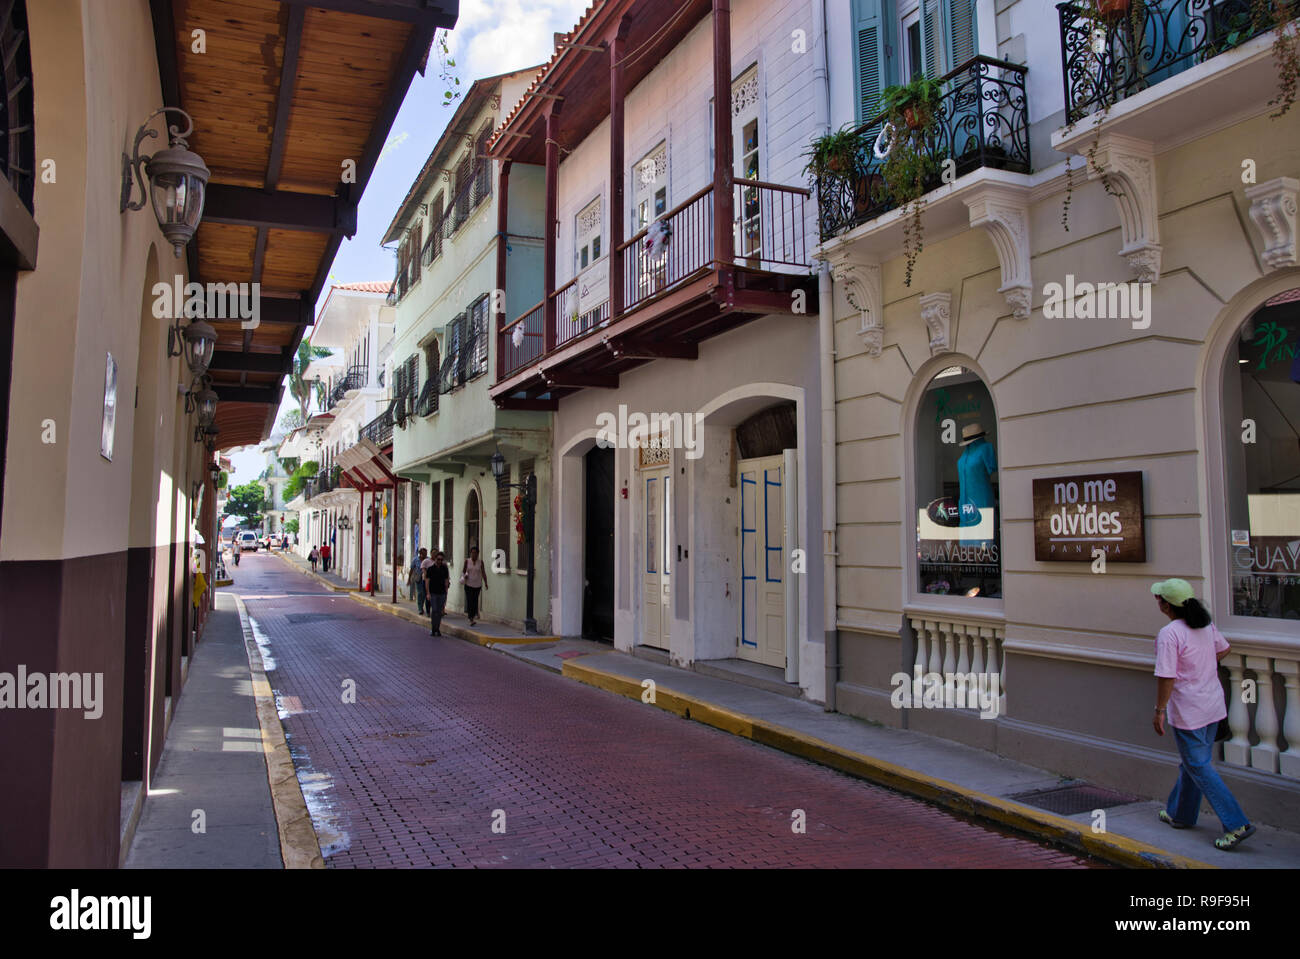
x=454, y=755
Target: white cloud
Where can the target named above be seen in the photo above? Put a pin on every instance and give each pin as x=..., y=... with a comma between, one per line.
x=497, y=36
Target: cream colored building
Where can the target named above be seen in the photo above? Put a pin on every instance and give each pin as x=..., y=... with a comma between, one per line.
x=1189, y=201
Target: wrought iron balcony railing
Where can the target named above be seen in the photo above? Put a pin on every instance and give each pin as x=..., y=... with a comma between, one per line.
x=1105, y=61
x=355, y=378
x=982, y=121
x=380, y=430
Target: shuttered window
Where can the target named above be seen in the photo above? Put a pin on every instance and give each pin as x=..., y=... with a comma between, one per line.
x=435, y=517
x=961, y=32
x=448, y=524
x=483, y=178
x=873, y=73
x=476, y=361
x=505, y=520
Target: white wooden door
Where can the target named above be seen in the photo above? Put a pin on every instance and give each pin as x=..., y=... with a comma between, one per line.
x=762, y=562
x=745, y=146
x=656, y=589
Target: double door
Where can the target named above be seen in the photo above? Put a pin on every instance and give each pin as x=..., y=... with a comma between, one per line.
x=762, y=561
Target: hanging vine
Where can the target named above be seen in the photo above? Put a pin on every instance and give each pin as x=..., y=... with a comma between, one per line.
x=446, y=64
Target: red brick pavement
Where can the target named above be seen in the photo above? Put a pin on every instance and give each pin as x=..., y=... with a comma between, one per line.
x=443, y=733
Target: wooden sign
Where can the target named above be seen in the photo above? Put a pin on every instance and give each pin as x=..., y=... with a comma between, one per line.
x=1077, y=515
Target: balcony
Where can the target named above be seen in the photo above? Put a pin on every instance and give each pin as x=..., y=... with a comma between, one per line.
x=380, y=430
x=355, y=379
x=982, y=121
x=674, y=291
x=1103, y=63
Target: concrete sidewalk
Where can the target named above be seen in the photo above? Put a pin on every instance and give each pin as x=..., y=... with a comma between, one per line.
x=213, y=771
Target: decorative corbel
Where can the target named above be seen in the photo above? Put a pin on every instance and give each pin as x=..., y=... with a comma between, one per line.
x=1004, y=215
x=862, y=287
x=1129, y=167
x=495, y=101
x=1273, y=211
x=936, y=310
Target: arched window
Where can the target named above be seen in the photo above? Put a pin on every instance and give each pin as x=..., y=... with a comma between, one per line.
x=1261, y=437
x=472, y=523
x=958, y=510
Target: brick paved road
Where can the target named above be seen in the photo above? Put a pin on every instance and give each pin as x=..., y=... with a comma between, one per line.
x=443, y=733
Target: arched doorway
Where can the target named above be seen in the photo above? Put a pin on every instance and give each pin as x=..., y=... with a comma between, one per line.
x=472, y=523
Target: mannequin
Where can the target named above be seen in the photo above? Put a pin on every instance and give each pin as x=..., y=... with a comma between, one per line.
x=977, y=467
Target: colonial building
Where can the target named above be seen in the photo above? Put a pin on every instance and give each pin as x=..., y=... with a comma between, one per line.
x=676, y=337
x=470, y=244
x=108, y=378
x=1087, y=382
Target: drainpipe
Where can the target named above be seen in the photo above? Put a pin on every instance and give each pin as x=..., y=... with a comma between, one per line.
x=826, y=357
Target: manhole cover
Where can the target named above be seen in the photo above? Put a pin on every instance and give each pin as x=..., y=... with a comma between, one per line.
x=1075, y=798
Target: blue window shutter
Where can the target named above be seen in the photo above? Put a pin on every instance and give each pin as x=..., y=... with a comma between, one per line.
x=931, y=32
x=959, y=30
x=872, y=61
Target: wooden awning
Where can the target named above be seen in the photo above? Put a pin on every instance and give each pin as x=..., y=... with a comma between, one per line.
x=292, y=101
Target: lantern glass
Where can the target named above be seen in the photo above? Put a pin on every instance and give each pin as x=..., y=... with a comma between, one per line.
x=200, y=342
x=498, y=466
x=207, y=406
x=177, y=185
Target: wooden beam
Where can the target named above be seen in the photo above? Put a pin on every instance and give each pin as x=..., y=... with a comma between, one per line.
x=657, y=351
x=273, y=309
x=431, y=14
x=284, y=97
x=248, y=394
x=513, y=403
x=232, y=361
x=577, y=381
x=279, y=210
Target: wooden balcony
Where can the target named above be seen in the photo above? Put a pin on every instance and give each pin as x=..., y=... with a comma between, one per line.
x=674, y=297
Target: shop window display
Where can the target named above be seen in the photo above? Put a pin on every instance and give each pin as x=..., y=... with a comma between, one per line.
x=958, y=531
x=1261, y=402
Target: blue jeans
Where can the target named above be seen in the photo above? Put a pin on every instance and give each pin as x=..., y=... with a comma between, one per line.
x=1196, y=777
x=437, y=602
x=419, y=596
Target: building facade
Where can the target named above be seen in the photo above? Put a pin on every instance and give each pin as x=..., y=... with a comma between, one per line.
x=1086, y=384
x=677, y=337
x=465, y=255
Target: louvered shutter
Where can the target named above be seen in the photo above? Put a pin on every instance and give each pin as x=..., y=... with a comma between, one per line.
x=872, y=60
x=483, y=181
x=931, y=35
x=962, y=42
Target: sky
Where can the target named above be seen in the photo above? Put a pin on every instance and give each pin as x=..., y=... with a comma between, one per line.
x=491, y=37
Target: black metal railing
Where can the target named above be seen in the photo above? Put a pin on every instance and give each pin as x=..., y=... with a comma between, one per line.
x=427, y=402
x=380, y=430
x=982, y=121
x=1105, y=60
x=354, y=379
x=476, y=188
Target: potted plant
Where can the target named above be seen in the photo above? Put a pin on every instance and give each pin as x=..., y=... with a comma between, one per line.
x=834, y=154
x=1113, y=9
x=911, y=159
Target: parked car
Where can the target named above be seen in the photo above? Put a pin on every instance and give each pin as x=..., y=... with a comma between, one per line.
x=248, y=541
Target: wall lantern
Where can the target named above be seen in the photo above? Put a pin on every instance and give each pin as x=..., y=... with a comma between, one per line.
x=498, y=467
x=345, y=522
x=196, y=342
x=178, y=181
x=211, y=433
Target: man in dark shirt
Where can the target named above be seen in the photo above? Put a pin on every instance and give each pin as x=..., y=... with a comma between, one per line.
x=437, y=579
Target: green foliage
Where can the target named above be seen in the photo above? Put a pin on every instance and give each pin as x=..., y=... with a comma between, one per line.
x=298, y=387
x=300, y=475
x=446, y=63
x=247, y=502
x=222, y=479
x=834, y=154
x=909, y=169
x=291, y=526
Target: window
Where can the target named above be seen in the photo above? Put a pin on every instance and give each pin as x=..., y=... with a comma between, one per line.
x=958, y=521
x=435, y=517
x=455, y=337
x=746, y=139
x=464, y=189
x=505, y=519
x=650, y=187
x=1261, y=435
x=933, y=36
x=525, y=471
x=413, y=251
x=472, y=513
x=587, y=226
x=483, y=174
x=448, y=507
x=433, y=245
x=476, y=339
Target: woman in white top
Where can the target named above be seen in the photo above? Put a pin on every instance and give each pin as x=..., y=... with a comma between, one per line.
x=474, y=577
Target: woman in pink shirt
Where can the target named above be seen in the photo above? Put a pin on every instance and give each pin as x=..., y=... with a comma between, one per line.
x=1188, y=651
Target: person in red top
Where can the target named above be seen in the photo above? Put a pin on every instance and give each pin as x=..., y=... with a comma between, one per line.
x=325, y=558
x=1188, y=651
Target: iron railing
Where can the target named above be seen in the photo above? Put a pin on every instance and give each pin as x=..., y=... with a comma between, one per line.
x=427, y=402
x=771, y=233
x=982, y=121
x=1105, y=61
x=476, y=189
x=355, y=379
x=380, y=430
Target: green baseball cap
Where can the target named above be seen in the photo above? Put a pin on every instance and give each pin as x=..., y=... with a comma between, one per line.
x=1175, y=592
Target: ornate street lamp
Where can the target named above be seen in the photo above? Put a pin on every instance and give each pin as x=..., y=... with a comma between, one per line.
x=177, y=181
x=197, y=342
x=529, y=488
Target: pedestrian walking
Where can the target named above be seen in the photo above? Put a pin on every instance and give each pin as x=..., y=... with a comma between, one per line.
x=474, y=578
x=1188, y=651
x=325, y=557
x=312, y=557
x=437, y=579
x=415, y=580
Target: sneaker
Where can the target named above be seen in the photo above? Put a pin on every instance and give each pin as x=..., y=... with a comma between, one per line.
x=1230, y=840
x=1169, y=820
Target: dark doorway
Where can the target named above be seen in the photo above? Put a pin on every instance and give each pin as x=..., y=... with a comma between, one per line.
x=598, y=593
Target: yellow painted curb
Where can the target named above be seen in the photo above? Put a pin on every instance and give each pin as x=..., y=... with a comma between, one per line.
x=1105, y=846
x=299, y=847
